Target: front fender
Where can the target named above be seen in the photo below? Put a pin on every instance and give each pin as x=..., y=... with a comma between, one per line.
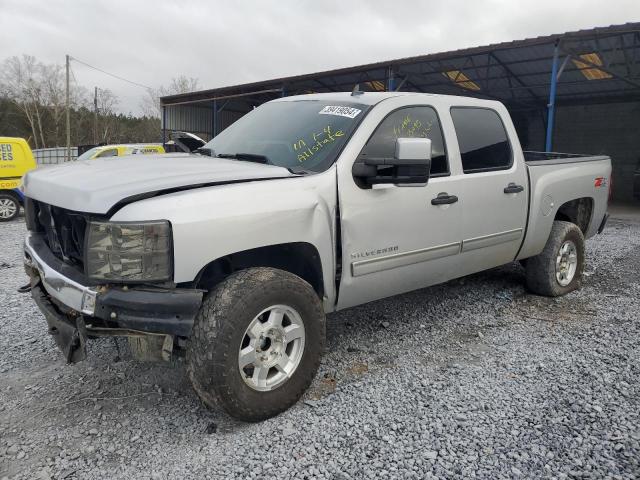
x=212, y=222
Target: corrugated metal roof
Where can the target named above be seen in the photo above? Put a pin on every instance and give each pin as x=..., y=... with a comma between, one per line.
x=517, y=72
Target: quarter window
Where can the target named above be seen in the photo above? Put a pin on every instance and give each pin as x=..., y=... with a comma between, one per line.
x=410, y=122
x=483, y=141
x=108, y=153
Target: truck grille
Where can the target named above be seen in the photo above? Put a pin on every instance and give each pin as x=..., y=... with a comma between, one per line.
x=64, y=230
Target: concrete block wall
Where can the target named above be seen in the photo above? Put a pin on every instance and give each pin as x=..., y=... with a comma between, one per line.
x=612, y=129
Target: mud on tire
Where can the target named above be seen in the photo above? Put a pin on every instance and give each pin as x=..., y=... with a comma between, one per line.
x=219, y=330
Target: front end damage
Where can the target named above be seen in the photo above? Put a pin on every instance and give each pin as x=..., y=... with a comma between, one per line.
x=76, y=310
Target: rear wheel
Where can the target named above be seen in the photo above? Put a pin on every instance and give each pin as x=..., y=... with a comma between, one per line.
x=558, y=269
x=256, y=343
x=9, y=207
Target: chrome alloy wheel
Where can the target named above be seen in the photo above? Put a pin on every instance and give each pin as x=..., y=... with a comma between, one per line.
x=566, y=263
x=8, y=208
x=271, y=348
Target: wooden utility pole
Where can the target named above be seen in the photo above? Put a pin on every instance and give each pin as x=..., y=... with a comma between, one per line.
x=68, y=154
x=95, y=116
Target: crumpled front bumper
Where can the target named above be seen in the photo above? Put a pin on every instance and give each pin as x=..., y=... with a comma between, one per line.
x=59, y=280
x=75, y=310
x=69, y=333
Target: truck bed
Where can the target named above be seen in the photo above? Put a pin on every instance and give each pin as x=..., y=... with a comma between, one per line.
x=556, y=179
x=533, y=158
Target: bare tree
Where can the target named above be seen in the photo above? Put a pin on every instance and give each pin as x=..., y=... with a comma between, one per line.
x=33, y=102
x=151, y=102
x=107, y=102
x=54, y=96
x=38, y=91
x=20, y=79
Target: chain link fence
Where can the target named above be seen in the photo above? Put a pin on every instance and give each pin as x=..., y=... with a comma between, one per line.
x=53, y=156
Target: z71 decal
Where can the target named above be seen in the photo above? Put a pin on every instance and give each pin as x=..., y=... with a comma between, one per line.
x=600, y=182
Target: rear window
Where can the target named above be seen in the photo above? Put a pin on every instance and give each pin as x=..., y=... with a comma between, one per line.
x=113, y=152
x=88, y=154
x=483, y=141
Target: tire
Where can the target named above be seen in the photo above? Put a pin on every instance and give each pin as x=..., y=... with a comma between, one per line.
x=550, y=273
x=221, y=330
x=9, y=207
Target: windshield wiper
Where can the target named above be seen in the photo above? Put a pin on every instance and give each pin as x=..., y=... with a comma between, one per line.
x=299, y=170
x=254, y=157
x=249, y=157
x=204, y=151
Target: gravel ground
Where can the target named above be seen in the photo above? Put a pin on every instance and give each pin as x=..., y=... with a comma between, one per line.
x=474, y=378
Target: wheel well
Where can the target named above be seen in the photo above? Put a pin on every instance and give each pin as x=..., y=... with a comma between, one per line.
x=576, y=211
x=11, y=193
x=299, y=258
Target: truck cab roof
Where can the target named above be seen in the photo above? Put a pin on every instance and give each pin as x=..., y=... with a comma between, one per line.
x=373, y=98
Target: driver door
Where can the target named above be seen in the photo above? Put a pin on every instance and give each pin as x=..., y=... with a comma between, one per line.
x=393, y=238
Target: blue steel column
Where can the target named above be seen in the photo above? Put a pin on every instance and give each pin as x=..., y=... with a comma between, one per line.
x=551, y=107
x=390, y=80
x=164, y=125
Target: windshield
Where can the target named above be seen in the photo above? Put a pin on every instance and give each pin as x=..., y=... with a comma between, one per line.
x=88, y=154
x=303, y=134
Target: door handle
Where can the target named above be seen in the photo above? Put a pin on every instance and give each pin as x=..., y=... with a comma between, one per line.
x=444, y=199
x=513, y=188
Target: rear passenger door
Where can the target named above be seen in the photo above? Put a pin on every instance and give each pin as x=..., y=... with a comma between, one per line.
x=494, y=188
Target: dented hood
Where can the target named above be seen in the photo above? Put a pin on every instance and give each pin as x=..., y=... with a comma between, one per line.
x=95, y=186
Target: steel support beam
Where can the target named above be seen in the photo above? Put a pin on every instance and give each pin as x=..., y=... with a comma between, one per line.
x=164, y=125
x=223, y=105
x=551, y=107
x=324, y=84
x=214, y=120
x=401, y=84
x=510, y=73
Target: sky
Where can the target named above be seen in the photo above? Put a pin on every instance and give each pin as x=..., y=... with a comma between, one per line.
x=230, y=42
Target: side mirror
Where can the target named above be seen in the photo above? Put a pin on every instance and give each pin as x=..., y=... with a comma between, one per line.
x=409, y=166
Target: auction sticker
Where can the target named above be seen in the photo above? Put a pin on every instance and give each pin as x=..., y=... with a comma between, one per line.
x=348, y=112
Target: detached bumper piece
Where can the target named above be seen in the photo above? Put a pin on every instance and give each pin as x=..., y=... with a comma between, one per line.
x=168, y=311
x=70, y=339
x=76, y=310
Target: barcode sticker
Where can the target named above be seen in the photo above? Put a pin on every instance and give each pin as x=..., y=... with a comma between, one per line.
x=348, y=112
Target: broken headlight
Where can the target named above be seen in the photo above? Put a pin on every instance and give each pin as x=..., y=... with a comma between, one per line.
x=129, y=252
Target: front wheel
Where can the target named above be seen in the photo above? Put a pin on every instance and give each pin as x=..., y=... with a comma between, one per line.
x=9, y=207
x=558, y=269
x=256, y=343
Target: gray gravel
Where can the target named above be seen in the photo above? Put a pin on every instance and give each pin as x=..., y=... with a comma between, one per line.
x=473, y=379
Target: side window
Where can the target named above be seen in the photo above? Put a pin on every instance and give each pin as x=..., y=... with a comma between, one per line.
x=112, y=152
x=483, y=141
x=410, y=122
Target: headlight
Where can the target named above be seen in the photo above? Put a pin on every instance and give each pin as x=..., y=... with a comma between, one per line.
x=129, y=252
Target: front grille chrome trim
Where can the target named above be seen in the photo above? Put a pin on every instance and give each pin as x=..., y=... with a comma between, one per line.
x=67, y=291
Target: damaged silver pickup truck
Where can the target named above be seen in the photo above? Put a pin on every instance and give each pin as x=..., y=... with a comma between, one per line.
x=307, y=205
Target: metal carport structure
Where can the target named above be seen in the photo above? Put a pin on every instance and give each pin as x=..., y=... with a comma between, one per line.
x=586, y=76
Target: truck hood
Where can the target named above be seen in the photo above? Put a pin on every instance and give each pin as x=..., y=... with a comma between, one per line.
x=96, y=186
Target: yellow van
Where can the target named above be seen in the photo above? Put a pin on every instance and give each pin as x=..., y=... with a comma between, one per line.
x=16, y=159
x=120, y=150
